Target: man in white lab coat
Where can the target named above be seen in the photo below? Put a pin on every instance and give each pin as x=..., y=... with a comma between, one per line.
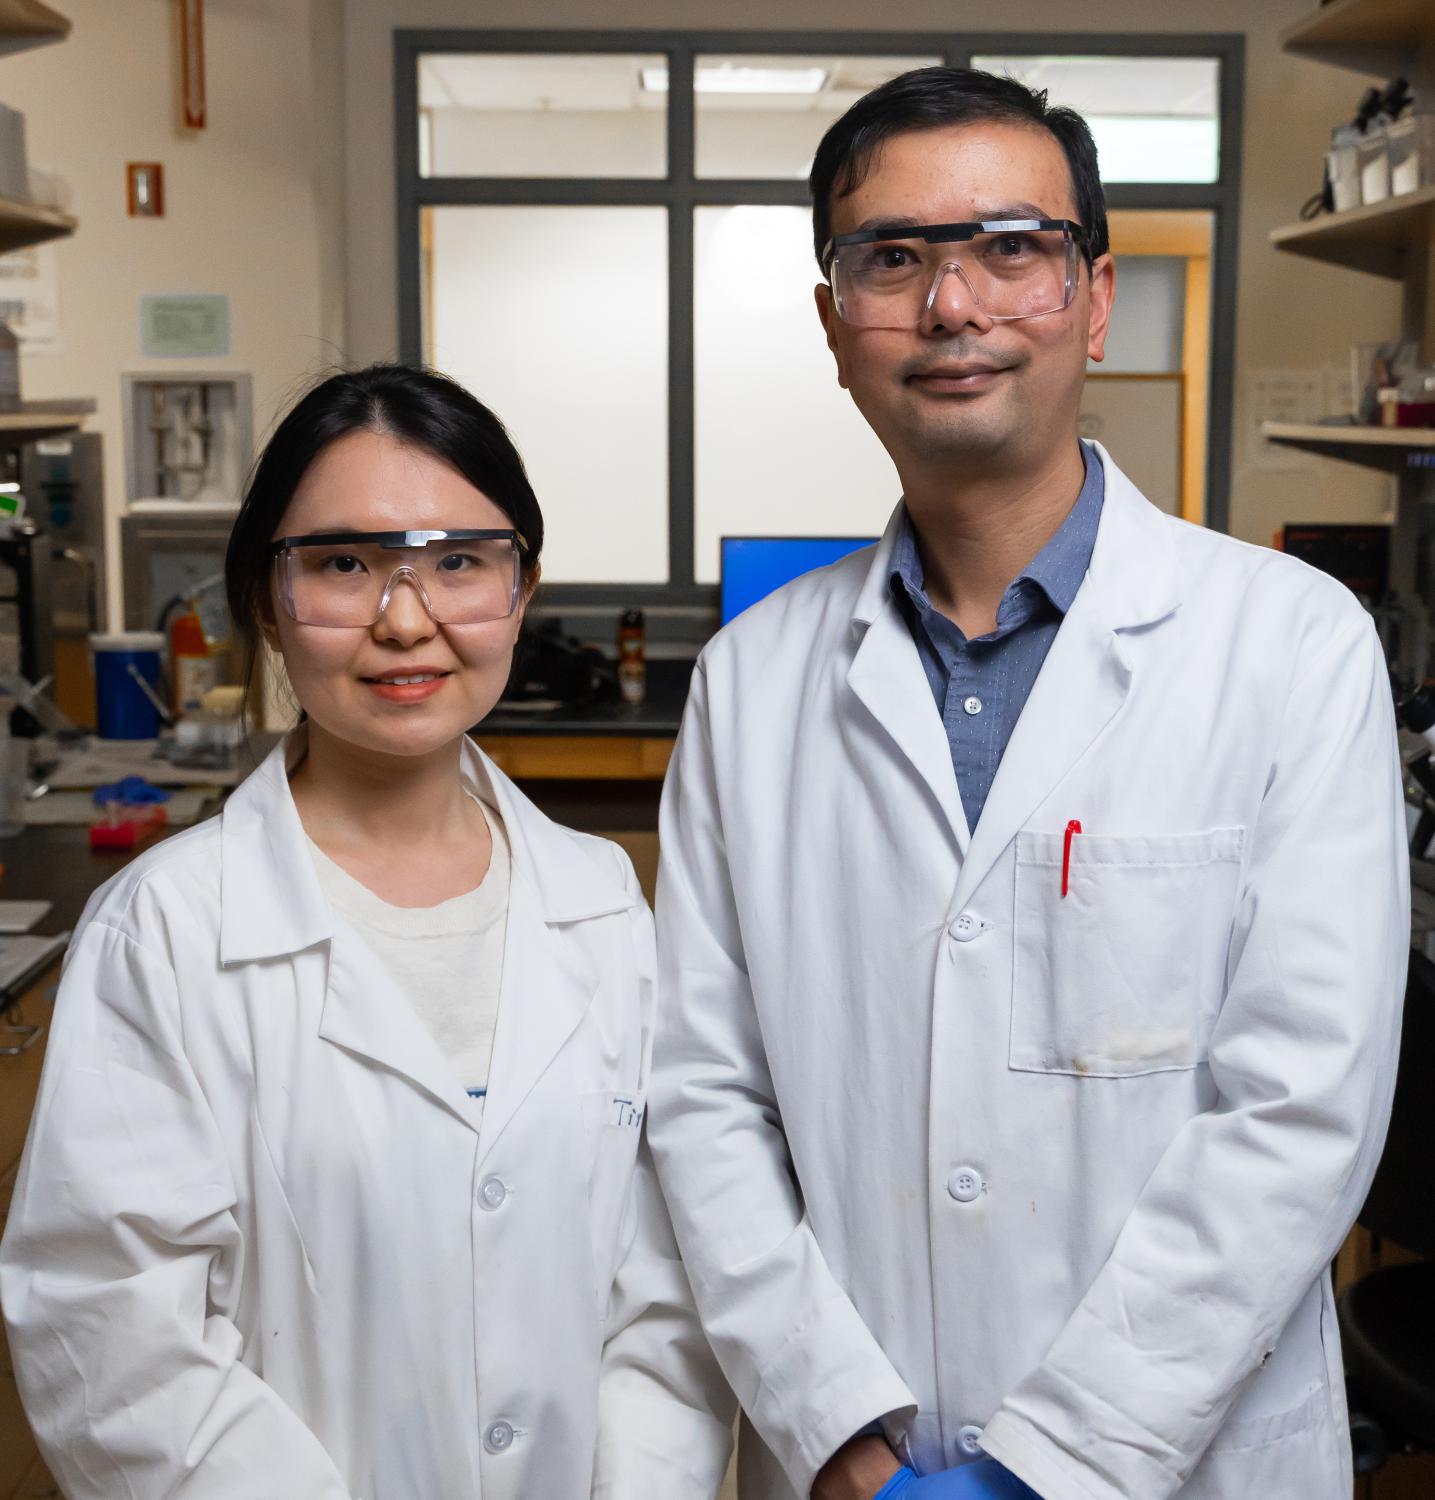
x=1033, y=907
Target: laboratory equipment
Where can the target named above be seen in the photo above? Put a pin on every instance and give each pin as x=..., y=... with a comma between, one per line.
x=175, y=555
x=14, y=776
x=1343, y=167
x=188, y=439
x=27, y=621
x=61, y=479
x=1359, y=556
x=123, y=827
x=1403, y=141
x=1374, y=157
x=632, y=659
x=753, y=566
x=1387, y=1318
x=125, y=664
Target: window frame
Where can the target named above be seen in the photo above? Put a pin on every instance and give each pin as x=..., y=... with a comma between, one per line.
x=681, y=192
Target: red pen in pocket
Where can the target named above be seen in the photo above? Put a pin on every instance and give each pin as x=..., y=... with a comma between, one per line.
x=1072, y=829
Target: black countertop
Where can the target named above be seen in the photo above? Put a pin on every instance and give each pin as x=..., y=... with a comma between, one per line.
x=57, y=864
x=657, y=717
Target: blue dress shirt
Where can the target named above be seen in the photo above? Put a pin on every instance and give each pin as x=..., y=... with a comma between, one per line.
x=981, y=685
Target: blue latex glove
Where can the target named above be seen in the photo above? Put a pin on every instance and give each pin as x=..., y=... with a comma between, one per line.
x=133, y=791
x=983, y=1480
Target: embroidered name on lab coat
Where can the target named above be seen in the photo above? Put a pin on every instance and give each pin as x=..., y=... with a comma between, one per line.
x=624, y=1113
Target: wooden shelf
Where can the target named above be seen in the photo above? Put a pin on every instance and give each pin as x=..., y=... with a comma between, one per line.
x=1379, y=37
x=29, y=23
x=1375, y=239
x=1391, y=448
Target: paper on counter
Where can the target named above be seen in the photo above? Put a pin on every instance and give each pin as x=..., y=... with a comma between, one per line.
x=104, y=761
x=20, y=957
x=21, y=916
x=78, y=810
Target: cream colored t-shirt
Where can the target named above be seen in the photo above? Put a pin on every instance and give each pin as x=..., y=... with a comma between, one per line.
x=447, y=960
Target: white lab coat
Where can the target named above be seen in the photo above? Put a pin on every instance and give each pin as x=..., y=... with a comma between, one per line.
x=1055, y=1177
x=261, y=1244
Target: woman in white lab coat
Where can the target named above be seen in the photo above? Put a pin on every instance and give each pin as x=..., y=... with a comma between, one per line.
x=337, y=1184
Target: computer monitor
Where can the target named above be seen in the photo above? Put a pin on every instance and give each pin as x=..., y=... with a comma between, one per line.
x=753, y=566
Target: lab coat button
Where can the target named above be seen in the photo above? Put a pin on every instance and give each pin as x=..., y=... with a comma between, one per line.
x=973, y=705
x=965, y=1184
x=498, y=1438
x=491, y=1194
x=965, y=928
x=969, y=1440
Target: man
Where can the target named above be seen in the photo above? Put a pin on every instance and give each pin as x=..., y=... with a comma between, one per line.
x=1026, y=1053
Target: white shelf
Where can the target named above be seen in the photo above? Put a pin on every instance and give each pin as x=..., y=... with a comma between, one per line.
x=27, y=424
x=1377, y=239
x=29, y=23
x=24, y=224
x=1390, y=448
x=1378, y=37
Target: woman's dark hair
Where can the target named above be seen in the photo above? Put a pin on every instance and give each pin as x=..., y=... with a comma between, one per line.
x=928, y=98
x=417, y=406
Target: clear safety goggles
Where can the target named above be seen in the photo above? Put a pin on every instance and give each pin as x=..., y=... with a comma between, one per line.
x=347, y=578
x=1011, y=268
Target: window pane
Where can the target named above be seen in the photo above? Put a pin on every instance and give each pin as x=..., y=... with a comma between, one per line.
x=1155, y=119
x=1146, y=332
x=558, y=319
x=763, y=116
x=781, y=450
x=491, y=114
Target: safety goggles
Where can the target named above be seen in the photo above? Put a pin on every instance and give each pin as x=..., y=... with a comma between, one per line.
x=1011, y=268
x=347, y=578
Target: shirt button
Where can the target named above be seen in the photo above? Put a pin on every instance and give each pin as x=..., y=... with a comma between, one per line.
x=973, y=705
x=965, y=1184
x=965, y=928
x=491, y=1194
x=498, y=1438
x=969, y=1440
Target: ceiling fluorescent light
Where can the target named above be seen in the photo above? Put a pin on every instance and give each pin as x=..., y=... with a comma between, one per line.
x=728, y=80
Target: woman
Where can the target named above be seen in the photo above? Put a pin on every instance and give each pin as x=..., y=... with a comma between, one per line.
x=337, y=1183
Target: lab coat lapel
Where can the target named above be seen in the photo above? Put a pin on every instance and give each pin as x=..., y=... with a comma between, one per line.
x=366, y=1014
x=1080, y=688
x=560, y=880
x=1086, y=676
x=887, y=677
x=274, y=906
x=545, y=992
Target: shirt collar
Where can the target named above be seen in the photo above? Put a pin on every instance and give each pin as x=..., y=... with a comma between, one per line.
x=1058, y=569
x=273, y=904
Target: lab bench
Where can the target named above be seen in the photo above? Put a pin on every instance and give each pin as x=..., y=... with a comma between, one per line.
x=52, y=864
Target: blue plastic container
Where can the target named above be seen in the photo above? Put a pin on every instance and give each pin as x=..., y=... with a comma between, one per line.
x=122, y=709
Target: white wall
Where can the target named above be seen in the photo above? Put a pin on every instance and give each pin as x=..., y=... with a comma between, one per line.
x=253, y=209
x=1293, y=314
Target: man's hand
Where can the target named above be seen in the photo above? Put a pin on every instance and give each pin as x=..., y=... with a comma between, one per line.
x=983, y=1480
x=857, y=1471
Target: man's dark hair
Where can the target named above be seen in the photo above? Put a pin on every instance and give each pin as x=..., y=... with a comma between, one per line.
x=928, y=98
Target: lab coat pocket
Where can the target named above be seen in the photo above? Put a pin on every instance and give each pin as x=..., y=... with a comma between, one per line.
x=1123, y=974
x=614, y=1124
x=1295, y=1452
